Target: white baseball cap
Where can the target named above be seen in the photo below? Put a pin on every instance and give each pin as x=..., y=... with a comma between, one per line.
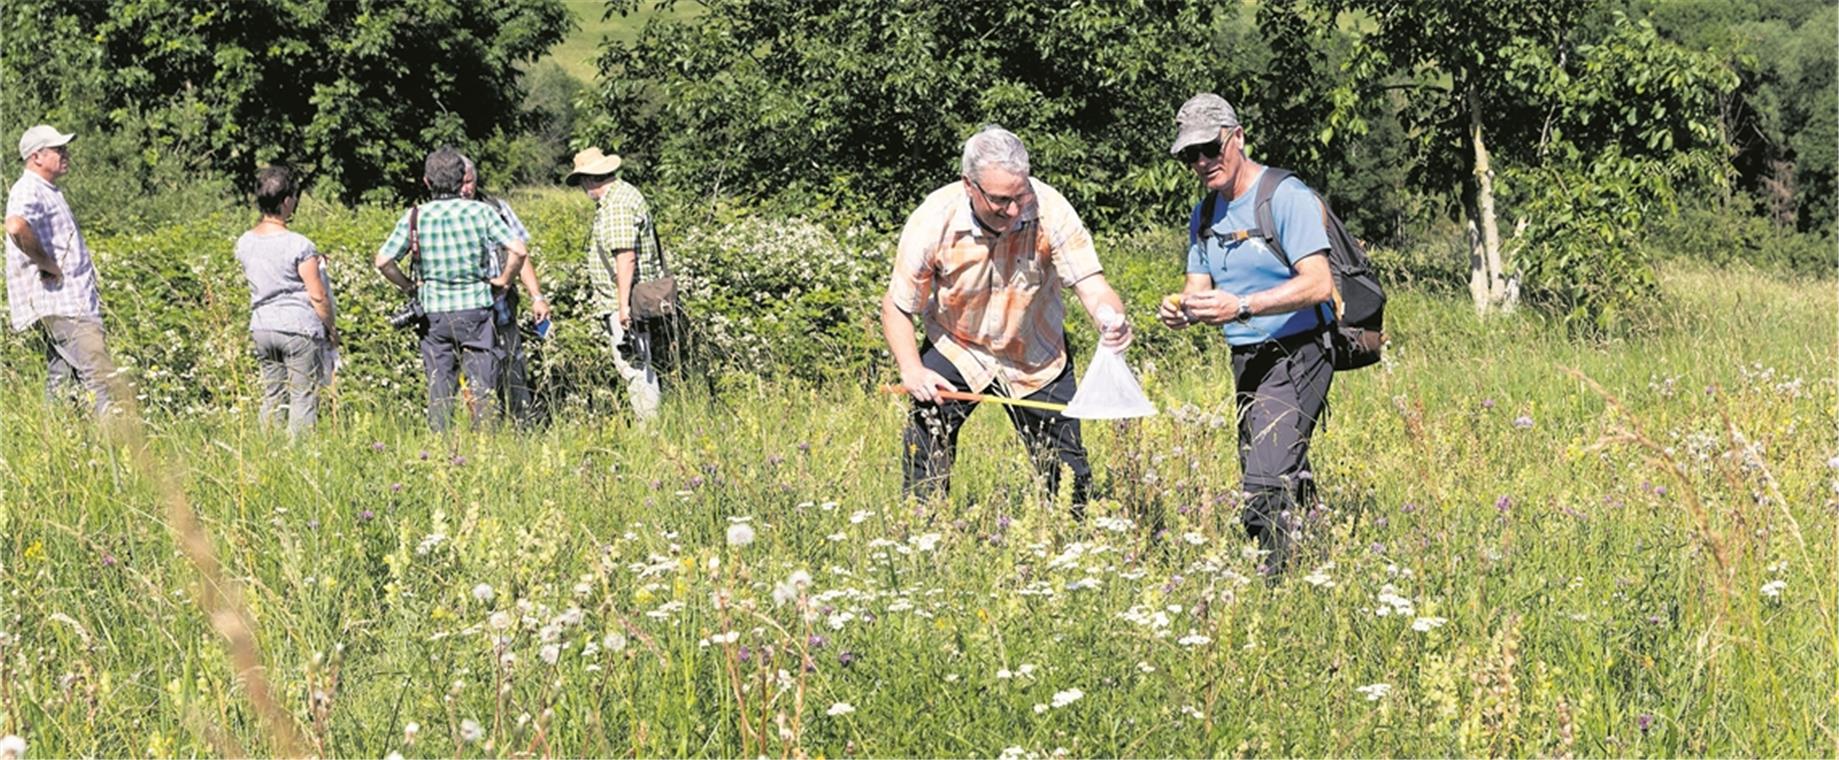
x=41, y=137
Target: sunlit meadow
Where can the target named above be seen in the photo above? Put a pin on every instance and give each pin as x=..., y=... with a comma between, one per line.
x=1527, y=546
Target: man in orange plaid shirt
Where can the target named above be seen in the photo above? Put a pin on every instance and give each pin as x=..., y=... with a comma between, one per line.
x=981, y=264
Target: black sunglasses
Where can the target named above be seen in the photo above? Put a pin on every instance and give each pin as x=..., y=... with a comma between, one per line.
x=1193, y=153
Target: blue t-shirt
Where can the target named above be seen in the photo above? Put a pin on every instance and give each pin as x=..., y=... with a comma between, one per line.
x=1249, y=266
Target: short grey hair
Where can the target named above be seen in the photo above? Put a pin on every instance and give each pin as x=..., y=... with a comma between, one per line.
x=994, y=146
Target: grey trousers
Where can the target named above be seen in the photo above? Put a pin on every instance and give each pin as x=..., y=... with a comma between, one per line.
x=75, y=351
x=454, y=342
x=291, y=374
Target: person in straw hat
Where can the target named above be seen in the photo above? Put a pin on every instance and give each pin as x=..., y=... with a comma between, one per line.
x=622, y=250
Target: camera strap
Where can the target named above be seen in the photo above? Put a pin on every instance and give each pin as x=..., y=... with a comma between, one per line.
x=415, y=242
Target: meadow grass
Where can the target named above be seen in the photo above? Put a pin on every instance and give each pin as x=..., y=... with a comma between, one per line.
x=1501, y=567
x=579, y=52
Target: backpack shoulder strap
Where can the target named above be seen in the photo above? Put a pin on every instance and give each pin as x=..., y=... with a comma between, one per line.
x=415, y=239
x=1205, y=218
x=1262, y=216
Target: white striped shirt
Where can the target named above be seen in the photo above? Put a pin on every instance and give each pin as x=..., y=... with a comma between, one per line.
x=29, y=296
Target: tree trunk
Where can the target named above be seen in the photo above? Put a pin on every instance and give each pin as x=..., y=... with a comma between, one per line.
x=1478, y=256
x=1484, y=205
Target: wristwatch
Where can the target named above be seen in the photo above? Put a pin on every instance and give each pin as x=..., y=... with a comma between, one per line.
x=1245, y=309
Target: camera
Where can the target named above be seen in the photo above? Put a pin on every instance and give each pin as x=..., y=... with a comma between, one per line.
x=409, y=315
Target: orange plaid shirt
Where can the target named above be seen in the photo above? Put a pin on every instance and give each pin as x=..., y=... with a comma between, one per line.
x=991, y=303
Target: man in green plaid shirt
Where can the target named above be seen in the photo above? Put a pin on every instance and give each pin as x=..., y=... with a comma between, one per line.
x=622, y=250
x=454, y=240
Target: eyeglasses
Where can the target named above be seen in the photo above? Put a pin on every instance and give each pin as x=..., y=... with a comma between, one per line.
x=1193, y=153
x=1003, y=201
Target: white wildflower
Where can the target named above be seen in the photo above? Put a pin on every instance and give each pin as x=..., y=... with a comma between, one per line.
x=483, y=593
x=1192, y=712
x=1773, y=589
x=12, y=747
x=1145, y=667
x=926, y=542
x=1039, y=708
x=470, y=731
x=1194, y=640
x=1426, y=624
x=1005, y=674
x=614, y=642
x=1320, y=578
x=410, y=731
x=840, y=708
x=1375, y=691
x=740, y=534
x=1067, y=697
x=1026, y=670
x=550, y=653
x=501, y=620
x=1194, y=538
x=859, y=516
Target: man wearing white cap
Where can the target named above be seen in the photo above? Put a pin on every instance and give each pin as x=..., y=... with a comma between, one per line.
x=623, y=249
x=50, y=279
x=1270, y=305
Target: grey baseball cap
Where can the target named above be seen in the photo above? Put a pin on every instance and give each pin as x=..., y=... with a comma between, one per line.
x=1200, y=121
x=41, y=137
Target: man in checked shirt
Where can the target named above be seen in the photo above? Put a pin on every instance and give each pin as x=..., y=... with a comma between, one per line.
x=981, y=264
x=50, y=279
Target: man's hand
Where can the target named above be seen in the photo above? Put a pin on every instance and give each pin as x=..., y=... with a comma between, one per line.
x=50, y=274
x=1213, y=307
x=539, y=310
x=625, y=317
x=923, y=384
x=1172, y=314
x=1115, y=336
x=501, y=283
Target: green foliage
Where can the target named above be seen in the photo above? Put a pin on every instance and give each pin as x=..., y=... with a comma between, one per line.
x=1783, y=119
x=353, y=93
x=864, y=106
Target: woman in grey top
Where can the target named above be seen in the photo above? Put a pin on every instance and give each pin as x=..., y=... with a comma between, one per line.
x=291, y=314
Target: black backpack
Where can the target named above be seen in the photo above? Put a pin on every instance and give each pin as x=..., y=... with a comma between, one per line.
x=1359, y=303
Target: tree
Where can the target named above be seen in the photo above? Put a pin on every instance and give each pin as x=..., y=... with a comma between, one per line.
x=352, y=91
x=860, y=108
x=1459, y=57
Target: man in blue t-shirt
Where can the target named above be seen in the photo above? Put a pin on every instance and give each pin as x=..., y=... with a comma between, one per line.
x=1271, y=307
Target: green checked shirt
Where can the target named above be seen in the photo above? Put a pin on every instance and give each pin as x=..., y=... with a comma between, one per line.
x=622, y=221
x=459, y=239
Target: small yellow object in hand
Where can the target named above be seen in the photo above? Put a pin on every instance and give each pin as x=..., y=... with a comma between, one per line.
x=1173, y=301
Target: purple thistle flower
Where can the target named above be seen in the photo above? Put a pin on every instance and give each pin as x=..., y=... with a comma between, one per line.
x=367, y=515
x=377, y=446
x=816, y=641
x=1523, y=422
x=1503, y=504
x=846, y=658
x=424, y=455
x=396, y=487
x=1643, y=721
x=746, y=654
x=1409, y=507
x=459, y=460
x=108, y=559
x=1487, y=403
x=804, y=447
x=696, y=482
x=1002, y=522
x=1381, y=521
x=1377, y=548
